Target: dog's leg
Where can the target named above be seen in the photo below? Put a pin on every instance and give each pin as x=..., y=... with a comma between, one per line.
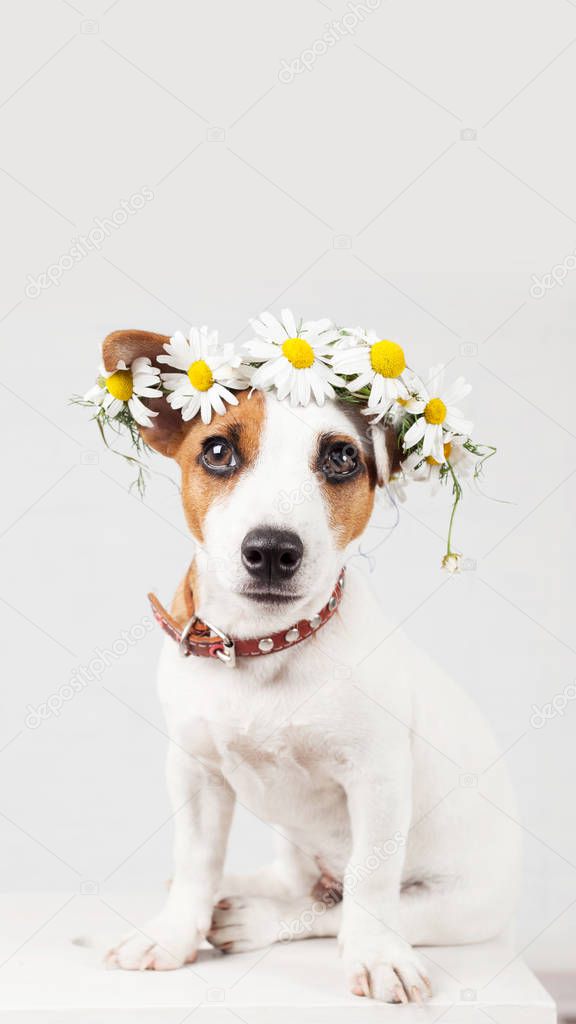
x=203, y=803
x=268, y=882
x=429, y=916
x=379, y=961
x=290, y=876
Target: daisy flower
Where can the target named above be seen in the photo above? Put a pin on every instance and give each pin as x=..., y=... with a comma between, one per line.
x=124, y=387
x=294, y=359
x=206, y=372
x=417, y=466
x=375, y=363
x=451, y=562
x=436, y=413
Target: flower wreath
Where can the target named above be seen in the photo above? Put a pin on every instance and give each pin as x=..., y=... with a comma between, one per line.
x=303, y=361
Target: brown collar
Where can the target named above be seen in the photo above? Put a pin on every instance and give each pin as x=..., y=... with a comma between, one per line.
x=203, y=639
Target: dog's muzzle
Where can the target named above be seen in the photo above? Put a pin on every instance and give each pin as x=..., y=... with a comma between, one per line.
x=202, y=639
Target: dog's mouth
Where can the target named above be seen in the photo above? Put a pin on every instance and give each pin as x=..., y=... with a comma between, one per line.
x=267, y=595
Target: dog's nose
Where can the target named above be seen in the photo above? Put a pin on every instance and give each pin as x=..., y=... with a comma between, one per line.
x=272, y=555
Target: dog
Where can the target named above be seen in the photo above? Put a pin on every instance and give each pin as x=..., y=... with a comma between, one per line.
x=391, y=807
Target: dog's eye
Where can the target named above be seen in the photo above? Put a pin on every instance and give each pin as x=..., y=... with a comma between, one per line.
x=218, y=456
x=340, y=461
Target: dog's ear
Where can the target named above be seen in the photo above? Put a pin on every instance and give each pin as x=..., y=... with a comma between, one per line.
x=385, y=450
x=169, y=430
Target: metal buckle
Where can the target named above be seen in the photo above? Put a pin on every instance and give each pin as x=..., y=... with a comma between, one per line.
x=227, y=656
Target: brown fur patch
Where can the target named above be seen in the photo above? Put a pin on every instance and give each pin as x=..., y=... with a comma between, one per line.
x=242, y=425
x=129, y=345
x=169, y=428
x=182, y=607
x=350, y=502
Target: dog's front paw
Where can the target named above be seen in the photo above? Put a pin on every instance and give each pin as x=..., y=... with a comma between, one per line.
x=163, y=944
x=392, y=973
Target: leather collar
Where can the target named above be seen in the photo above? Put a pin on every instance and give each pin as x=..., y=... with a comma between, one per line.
x=205, y=640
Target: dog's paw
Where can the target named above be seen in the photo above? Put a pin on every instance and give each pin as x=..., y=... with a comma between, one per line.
x=395, y=975
x=163, y=945
x=241, y=923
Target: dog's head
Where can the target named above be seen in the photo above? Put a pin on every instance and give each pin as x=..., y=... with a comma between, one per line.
x=273, y=495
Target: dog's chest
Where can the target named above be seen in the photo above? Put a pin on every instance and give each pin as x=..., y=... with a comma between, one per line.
x=283, y=775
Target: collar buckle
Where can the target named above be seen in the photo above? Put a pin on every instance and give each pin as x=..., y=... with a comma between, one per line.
x=227, y=655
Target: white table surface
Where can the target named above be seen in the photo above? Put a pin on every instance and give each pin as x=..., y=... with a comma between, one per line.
x=47, y=976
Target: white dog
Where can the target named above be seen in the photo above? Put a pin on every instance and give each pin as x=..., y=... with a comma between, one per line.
x=376, y=771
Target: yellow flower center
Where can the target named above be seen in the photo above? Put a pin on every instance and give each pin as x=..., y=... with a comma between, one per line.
x=447, y=449
x=200, y=375
x=299, y=353
x=435, y=411
x=387, y=358
x=120, y=385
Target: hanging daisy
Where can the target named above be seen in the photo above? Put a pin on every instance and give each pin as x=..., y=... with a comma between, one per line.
x=293, y=358
x=417, y=466
x=436, y=414
x=124, y=387
x=206, y=372
x=374, y=363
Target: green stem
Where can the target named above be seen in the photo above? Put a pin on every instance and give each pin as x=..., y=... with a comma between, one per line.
x=457, y=492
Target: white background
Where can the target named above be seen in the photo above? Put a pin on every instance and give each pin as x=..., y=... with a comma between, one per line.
x=349, y=192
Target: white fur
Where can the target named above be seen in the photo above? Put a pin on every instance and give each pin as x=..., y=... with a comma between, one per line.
x=369, y=762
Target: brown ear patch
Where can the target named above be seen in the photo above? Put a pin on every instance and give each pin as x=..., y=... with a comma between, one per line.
x=128, y=345
x=241, y=425
x=350, y=502
x=168, y=430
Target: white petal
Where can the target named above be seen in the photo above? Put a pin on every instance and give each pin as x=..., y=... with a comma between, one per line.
x=95, y=394
x=205, y=407
x=223, y=392
x=303, y=377
x=415, y=405
x=147, y=393
x=289, y=322
x=319, y=388
x=191, y=408
x=268, y=327
x=141, y=364
x=175, y=380
x=287, y=382
x=261, y=349
x=352, y=360
x=361, y=381
x=432, y=431
x=455, y=420
x=265, y=374
x=415, y=433
x=457, y=391
x=217, y=403
x=437, y=449
x=114, y=407
x=378, y=390
x=141, y=414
